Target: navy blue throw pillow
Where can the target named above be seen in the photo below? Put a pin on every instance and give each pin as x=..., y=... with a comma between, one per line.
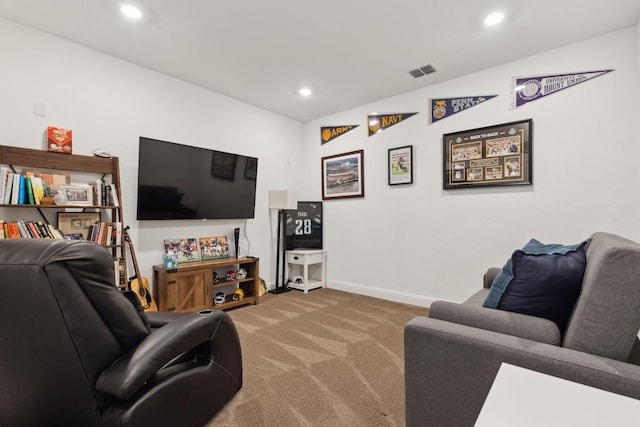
x=541, y=280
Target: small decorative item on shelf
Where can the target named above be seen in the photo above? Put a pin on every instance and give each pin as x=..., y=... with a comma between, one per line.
x=219, y=299
x=170, y=261
x=59, y=140
x=238, y=294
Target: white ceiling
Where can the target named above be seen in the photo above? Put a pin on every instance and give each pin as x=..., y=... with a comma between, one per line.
x=351, y=52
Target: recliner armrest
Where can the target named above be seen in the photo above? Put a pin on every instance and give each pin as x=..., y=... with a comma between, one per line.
x=127, y=374
x=504, y=322
x=158, y=319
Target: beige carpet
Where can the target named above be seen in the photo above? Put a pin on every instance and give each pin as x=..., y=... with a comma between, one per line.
x=326, y=358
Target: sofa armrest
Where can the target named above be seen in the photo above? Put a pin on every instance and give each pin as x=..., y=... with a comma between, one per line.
x=449, y=369
x=488, y=277
x=504, y=322
x=193, y=333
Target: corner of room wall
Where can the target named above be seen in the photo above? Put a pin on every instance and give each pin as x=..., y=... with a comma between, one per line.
x=423, y=243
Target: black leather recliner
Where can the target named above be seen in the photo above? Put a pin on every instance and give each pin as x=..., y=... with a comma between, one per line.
x=75, y=352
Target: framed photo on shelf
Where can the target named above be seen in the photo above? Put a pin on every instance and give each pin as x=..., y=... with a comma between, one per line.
x=214, y=247
x=489, y=156
x=185, y=249
x=76, y=194
x=343, y=175
x=400, y=163
x=76, y=224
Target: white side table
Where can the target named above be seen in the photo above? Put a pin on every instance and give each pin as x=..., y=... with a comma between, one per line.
x=311, y=265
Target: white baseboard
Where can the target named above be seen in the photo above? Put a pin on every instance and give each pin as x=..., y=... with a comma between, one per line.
x=387, y=294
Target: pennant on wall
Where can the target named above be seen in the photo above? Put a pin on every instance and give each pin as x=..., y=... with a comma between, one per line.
x=379, y=122
x=327, y=133
x=445, y=107
x=529, y=89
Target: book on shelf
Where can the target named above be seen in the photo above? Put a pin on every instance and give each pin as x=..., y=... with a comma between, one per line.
x=4, y=177
x=114, y=196
x=8, y=190
x=15, y=190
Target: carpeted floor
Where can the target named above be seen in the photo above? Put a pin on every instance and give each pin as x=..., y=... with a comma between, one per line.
x=326, y=358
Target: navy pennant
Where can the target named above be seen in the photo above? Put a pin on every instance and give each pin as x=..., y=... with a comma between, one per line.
x=379, y=122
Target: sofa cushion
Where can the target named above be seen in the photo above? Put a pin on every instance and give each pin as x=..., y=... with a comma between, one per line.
x=542, y=280
x=606, y=318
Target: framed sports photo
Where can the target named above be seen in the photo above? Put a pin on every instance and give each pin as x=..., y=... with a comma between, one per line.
x=400, y=163
x=489, y=156
x=76, y=224
x=214, y=247
x=185, y=249
x=343, y=175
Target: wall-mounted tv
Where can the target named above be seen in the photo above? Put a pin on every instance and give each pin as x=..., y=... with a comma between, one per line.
x=177, y=181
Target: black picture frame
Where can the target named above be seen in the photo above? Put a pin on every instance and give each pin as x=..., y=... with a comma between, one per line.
x=490, y=156
x=400, y=165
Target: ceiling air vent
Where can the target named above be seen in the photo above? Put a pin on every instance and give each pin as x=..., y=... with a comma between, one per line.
x=423, y=71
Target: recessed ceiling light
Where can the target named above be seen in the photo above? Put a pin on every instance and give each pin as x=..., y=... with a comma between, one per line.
x=305, y=91
x=494, y=19
x=131, y=11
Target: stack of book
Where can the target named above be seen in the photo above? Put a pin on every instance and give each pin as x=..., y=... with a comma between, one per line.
x=28, y=229
x=20, y=189
x=106, y=233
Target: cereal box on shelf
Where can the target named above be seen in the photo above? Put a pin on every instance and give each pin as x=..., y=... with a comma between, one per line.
x=59, y=140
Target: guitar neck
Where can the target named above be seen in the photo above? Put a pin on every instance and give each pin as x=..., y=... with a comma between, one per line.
x=134, y=260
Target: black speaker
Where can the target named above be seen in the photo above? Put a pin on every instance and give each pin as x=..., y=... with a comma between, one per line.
x=236, y=239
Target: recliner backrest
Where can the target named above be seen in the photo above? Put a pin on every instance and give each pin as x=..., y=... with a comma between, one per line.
x=62, y=322
x=606, y=318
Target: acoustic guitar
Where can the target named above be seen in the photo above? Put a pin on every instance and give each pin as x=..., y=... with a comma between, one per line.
x=139, y=284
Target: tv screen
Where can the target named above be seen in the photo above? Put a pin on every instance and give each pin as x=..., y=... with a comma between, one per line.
x=178, y=181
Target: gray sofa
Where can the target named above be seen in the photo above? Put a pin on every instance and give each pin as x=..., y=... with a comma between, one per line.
x=452, y=356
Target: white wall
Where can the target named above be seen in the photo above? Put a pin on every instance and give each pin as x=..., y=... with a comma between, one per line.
x=412, y=243
x=419, y=243
x=110, y=103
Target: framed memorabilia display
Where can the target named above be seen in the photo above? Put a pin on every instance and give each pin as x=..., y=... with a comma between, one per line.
x=76, y=225
x=343, y=175
x=489, y=156
x=400, y=163
x=214, y=247
x=75, y=194
x=304, y=226
x=185, y=249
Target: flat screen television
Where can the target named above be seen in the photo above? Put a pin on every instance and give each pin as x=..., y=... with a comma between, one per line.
x=177, y=181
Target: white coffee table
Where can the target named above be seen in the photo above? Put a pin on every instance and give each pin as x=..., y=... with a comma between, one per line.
x=521, y=397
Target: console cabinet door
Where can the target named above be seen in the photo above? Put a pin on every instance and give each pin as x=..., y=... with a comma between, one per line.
x=188, y=290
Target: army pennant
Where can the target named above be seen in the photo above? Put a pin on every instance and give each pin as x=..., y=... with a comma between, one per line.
x=529, y=89
x=379, y=122
x=445, y=107
x=327, y=133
